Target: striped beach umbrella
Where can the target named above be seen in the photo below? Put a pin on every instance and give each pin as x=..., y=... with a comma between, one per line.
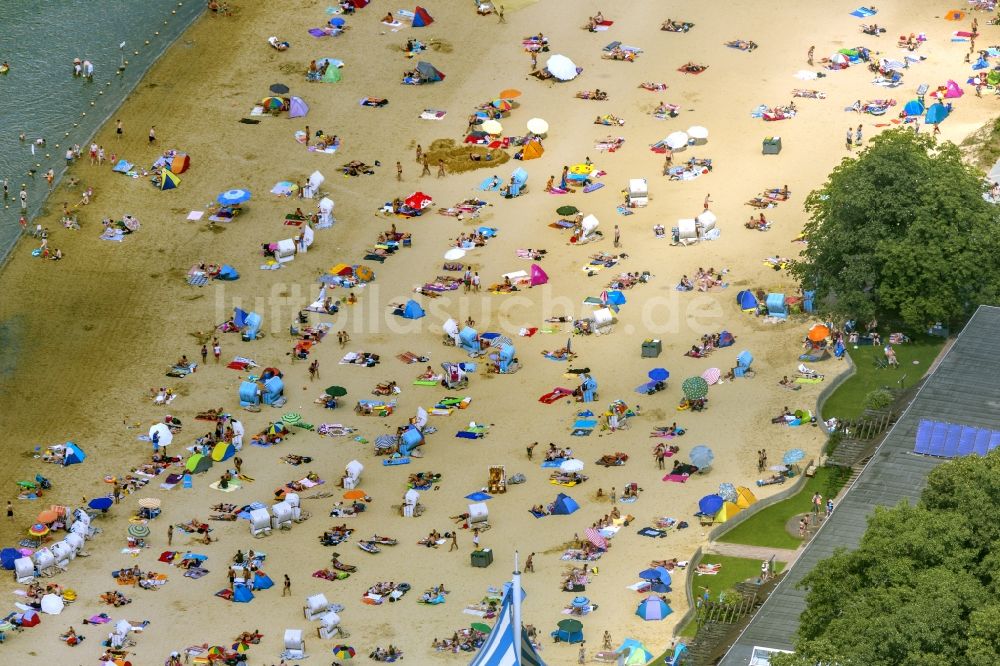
x=38, y=530
x=652, y=608
x=138, y=530
x=712, y=376
x=234, y=196
x=150, y=503
x=291, y=418
x=344, y=652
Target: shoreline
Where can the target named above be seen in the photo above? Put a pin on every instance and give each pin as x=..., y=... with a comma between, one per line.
x=102, y=325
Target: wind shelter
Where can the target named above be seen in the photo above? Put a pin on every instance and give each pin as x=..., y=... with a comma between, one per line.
x=429, y=73
x=421, y=19
x=564, y=505
x=169, y=180
x=538, y=276
x=297, y=108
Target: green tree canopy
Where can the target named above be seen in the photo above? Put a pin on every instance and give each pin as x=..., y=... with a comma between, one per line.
x=902, y=230
x=923, y=585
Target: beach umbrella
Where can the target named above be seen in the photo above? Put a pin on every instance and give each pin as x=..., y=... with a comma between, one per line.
x=344, y=652
x=160, y=434
x=291, y=418
x=272, y=103
x=727, y=491
x=284, y=188
x=701, y=456
x=954, y=15
x=793, y=456
x=47, y=516
x=653, y=608
x=709, y=505
x=676, y=140
x=778, y=468
x=509, y=93
x=698, y=132
x=818, y=333
x=241, y=647
x=561, y=67
x=454, y=254
x=712, y=376
x=38, y=530
x=234, y=196
x=364, y=274
x=654, y=574
x=538, y=126
x=354, y=494
x=336, y=391
x=101, y=503
x=492, y=127
x=481, y=627
x=659, y=374
x=694, y=388
x=582, y=169
x=502, y=104
x=138, y=530
x=149, y=503
x=567, y=210
x=570, y=625
x=278, y=88
x=571, y=465
x=580, y=602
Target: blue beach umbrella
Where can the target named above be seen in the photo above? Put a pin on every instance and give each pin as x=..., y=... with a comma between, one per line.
x=235, y=196
x=101, y=503
x=701, y=456
x=659, y=374
x=709, y=505
x=793, y=456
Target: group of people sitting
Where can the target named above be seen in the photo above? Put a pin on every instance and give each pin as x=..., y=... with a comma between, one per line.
x=556, y=453
x=703, y=280
x=676, y=26
x=465, y=640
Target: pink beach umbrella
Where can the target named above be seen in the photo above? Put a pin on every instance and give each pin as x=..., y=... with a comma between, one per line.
x=712, y=376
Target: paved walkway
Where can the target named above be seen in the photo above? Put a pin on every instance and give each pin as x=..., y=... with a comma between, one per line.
x=753, y=552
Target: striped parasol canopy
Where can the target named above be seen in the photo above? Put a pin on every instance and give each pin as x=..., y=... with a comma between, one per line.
x=291, y=417
x=712, y=376
x=150, y=503
x=500, y=341
x=594, y=537
x=138, y=530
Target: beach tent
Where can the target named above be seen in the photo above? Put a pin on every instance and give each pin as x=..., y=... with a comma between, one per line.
x=198, y=463
x=746, y=300
x=29, y=619
x=538, y=276
x=412, y=310
x=936, y=113
x=242, y=594
x=7, y=558
x=564, y=505
x=745, y=497
x=532, y=150
x=333, y=66
x=123, y=166
x=517, y=181
x=180, y=163
x=954, y=15
x=428, y=73
x=227, y=273
x=297, y=108
x=168, y=180
x=728, y=510
x=569, y=631
x=951, y=90
x=637, y=655
x=223, y=451
x=74, y=454
x=914, y=108
x=274, y=389
x=652, y=608
x=421, y=19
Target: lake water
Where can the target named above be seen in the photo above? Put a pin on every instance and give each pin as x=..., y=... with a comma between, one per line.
x=40, y=39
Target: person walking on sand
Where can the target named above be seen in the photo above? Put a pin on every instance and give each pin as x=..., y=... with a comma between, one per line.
x=809, y=56
x=93, y=154
x=534, y=61
x=529, y=564
x=618, y=236
x=582, y=657
x=399, y=171
x=531, y=450
x=857, y=136
x=440, y=169
x=286, y=591
x=500, y=18
x=475, y=539
x=170, y=535
x=308, y=136
x=204, y=354
x=238, y=464
x=613, y=495
x=848, y=138
x=216, y=349
x=427, y=168
x=314, y=369
x=937, y=129
x=708, y=200
x=10, y=511
x=152, y=134
x=454, y=541
x=119, y=129
x=420, y=153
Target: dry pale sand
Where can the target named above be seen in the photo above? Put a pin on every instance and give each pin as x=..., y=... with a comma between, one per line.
x=92, y=333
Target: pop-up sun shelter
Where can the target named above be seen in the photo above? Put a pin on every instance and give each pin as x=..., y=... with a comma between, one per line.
x=421, y=18
x=411, y=310
x=914, y=108
x=936, y=113
x=74, y=454
x=297, y=108
x=428, y=73
x=169, y=180
x=564, y=505
x=538, y=276
x=532, y=149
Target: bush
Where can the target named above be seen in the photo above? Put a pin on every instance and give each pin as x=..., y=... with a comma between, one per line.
x=880, y=398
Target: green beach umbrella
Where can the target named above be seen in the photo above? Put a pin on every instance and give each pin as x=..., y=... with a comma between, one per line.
x=694, y=388
x=291, y=418
x=481, y=627
x=567, y=210
x=336, y=391
x=570, y=625
x=138, y=530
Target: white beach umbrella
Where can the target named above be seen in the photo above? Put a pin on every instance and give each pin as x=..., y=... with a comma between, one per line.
x=492, y=127
x=454, y=254
x=677, y=140
x=164, y=435
x=561, y=67
x=571, y=465
x=538, y=126
x=697, y=132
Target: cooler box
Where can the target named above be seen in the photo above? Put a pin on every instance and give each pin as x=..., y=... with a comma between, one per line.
x=482, y=558
x=772, y=145
x=651, y=348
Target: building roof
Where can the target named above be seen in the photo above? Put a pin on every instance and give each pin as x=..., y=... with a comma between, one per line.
x=962, y=389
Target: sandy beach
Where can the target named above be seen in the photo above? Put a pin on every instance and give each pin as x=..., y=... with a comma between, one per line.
x=90, y=335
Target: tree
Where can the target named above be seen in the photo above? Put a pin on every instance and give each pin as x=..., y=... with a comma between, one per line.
x=921, y=587
x=902, y=231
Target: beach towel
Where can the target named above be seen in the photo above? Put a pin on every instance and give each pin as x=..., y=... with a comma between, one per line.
x=432, y=114
x=652, y=533
x=676, y=478
x=491, y=184
x=584, y=423
x=582, y=432
x=537, y=514
x=549, y=464
x=555, y=395
x=233, y=485
x=389, y=462
x=864, y=12
x=478, y=496
x=592, y=187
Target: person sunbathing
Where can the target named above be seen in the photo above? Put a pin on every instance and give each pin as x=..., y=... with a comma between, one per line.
x=277, y=44
x=692, y=68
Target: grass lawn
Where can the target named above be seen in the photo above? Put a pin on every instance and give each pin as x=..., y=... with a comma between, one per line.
x=847, y=401
x=767, y=528
x=734, y=570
